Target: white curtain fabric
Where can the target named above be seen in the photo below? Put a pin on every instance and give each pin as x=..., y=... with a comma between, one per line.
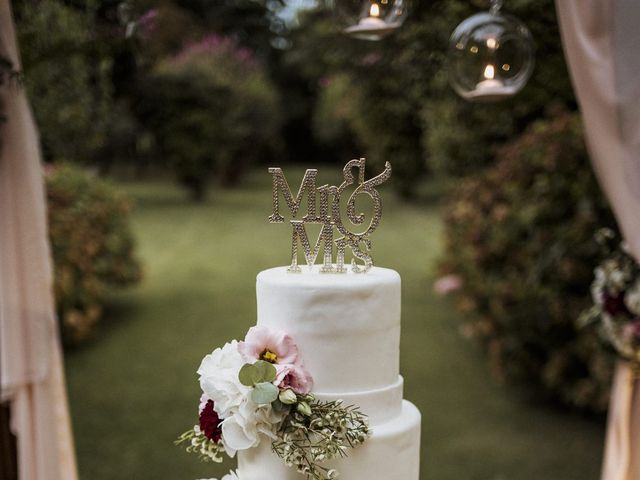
x=601, y=40
x=31, y=370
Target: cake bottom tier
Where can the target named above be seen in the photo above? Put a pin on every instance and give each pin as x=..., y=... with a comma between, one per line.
x=392, y=453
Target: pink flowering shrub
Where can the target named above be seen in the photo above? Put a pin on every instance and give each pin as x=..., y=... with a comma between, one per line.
x=212, y=111
x=520, y=236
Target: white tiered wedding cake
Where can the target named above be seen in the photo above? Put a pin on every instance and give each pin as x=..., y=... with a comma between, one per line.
x=348, y=327
x=314, y=390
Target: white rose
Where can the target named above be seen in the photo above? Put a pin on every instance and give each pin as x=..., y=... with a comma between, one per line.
x=242, y=420
x=243, y=429
x=219, y=379
x=632, y=299
x=236, y=436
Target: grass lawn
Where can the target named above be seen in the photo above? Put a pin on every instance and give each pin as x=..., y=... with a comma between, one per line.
x=133, y=387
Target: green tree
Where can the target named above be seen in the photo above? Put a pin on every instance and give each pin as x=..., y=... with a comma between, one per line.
x=79, y=68
x=212, y=111
x=70, y=100
x=407, y=112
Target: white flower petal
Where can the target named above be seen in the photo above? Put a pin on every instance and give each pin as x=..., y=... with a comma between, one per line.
x=236, y=436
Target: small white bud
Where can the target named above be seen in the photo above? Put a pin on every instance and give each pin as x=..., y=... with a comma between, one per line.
x=288, y=397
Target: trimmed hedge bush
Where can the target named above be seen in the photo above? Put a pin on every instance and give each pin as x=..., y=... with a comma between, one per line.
x=92, y=247
x=521, y=237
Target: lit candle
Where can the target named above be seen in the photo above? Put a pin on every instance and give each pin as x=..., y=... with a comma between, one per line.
x=491, y=88
x=371, y=23
x=489, y=82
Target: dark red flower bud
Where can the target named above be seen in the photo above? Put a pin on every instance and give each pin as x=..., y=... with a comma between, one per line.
x=210, y=423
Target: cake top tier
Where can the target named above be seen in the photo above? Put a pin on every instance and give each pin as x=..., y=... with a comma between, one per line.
x=347, y=326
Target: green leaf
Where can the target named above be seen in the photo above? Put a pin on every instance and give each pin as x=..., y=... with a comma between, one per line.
x=267, y=371
x=280, y=407
x=249, y=375
x=264, y=393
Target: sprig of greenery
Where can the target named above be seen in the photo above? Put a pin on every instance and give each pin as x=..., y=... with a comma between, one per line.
x=196, y=442
x=315, y=432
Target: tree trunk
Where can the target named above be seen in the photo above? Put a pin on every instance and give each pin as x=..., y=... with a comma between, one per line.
x=197, y=187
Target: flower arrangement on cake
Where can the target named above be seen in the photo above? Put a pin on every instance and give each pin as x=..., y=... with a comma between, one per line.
x=259, y=390
x=616, y=296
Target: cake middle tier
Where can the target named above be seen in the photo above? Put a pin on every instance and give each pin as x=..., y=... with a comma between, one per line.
x=347, y=326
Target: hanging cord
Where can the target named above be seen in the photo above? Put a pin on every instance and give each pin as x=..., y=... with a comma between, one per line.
x=496, y=5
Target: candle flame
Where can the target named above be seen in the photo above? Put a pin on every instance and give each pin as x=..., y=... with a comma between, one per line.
x=375, y=10
x=489, y=72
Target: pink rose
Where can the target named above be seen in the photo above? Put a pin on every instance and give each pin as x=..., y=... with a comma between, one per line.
x=273, y=346
x=295, y=377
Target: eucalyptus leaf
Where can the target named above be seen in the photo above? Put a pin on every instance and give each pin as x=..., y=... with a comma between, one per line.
x=264, y=393
x=280, y=407
x=249, y=375
x=267, y=371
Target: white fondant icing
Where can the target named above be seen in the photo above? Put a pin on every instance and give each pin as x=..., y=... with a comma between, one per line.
x=346, y=325
x=380, y=405
x=392, y=453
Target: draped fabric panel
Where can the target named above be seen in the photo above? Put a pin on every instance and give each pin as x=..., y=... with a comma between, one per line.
x=601, y=39
x=31, y=370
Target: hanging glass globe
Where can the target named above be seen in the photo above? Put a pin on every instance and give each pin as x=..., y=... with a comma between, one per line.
x=370, y=19
x=491, y=56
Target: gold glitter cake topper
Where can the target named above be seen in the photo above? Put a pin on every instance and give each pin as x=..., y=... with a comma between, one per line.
x=329, y=217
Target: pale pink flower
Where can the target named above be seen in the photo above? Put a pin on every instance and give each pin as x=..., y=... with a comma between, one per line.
x=447, y=284
x=295, y=377
x=274, y=346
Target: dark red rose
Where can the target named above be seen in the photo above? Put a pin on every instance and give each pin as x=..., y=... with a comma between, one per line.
x=614, y=304
x=210, y=423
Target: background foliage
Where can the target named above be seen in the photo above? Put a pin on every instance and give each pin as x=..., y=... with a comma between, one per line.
x=521, y=237
x=92, y=247
x=69, y=86
x=200, y=90
x=398, y=103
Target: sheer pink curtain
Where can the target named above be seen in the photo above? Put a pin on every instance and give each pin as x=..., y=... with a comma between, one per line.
x=601, y=39
x=31, y=371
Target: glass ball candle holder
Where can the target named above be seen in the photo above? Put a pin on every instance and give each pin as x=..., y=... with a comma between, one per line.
x=370, y=19
x=490, y=57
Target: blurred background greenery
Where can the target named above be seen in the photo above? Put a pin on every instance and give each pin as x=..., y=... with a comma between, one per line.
x=157, y=121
